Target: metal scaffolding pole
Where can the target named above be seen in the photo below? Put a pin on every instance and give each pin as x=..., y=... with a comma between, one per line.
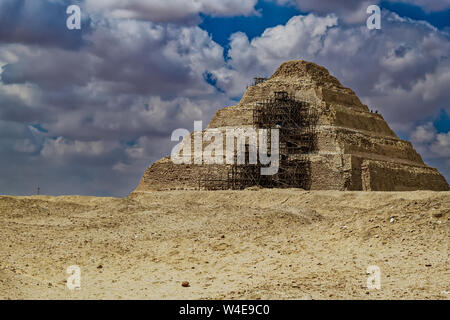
x=296, y=121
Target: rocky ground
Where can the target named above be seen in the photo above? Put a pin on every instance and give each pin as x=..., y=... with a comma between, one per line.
x=252, y=244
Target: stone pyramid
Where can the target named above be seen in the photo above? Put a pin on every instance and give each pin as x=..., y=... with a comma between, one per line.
x=354, y=148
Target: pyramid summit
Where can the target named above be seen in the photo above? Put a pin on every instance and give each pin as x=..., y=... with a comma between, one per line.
x=329, y=140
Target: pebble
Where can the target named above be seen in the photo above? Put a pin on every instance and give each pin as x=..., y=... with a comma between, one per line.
x=438, y=214
x=185, y=284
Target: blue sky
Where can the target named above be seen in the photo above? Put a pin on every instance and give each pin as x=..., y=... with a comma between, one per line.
x=87, y=111
x=272, y=14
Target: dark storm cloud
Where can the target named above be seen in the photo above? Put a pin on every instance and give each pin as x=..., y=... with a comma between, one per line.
x=109, y=106
x=41, y=23
x=128, y=57
x=50, y=69
x=14, y=109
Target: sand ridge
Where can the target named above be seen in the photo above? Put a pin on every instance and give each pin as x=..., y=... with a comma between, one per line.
x=251, y=244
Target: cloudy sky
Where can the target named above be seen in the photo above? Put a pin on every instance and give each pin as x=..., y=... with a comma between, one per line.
x=86, y=111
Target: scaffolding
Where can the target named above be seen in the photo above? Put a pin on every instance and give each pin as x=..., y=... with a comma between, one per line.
x=296, y=121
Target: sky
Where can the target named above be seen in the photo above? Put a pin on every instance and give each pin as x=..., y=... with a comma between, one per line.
x=87, y=111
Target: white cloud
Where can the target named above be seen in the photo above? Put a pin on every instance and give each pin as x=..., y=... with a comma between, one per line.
x=301, y=37
x=60, y=147
x=171, y=10
x=430, y=143
x=441, y=146
x=354, y=11
x=429, y=5
x=424, y=133
x=402, y=70
x=350, y=11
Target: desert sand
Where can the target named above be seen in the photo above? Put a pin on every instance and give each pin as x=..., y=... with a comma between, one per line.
x=251, y=244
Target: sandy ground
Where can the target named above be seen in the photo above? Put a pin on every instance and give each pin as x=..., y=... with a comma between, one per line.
x=252, y=244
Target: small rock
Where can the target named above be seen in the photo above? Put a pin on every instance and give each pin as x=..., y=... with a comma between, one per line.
x=428, y=265
x=222, y=237
x=185, y=284
x=392, y=220
x=99, y=266
x=438, y=214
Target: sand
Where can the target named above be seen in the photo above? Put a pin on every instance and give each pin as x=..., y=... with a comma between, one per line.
x=252, y=244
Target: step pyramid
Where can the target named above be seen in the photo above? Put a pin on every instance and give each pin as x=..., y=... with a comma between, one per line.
x=343, y=146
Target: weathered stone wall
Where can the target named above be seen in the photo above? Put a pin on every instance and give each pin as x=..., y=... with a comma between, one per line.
x=165, y=175
x=360, y=120
x=232, y=117
x=389, y=176
x=330, y=172
x=356, y=149
x=357, y=142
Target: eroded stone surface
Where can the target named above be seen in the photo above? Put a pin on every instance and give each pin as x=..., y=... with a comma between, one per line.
x=356, y=149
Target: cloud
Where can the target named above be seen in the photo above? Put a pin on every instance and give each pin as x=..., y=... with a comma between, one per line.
x=350, y=11
x=108, y=107
x=432, y=144
x=401, y=70
x=153, y=58
x=133, y=78
x=302, y=36
x=424, y=134
x=41, y=23
x=89, y=118
x=354, y=11
x=429, y=5
x=441, y=146
x=175, y=11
